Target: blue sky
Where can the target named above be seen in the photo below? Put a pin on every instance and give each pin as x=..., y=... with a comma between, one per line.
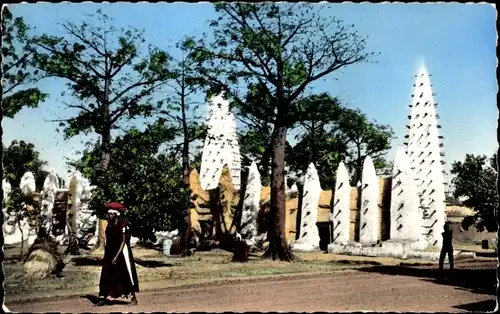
x=457, y=42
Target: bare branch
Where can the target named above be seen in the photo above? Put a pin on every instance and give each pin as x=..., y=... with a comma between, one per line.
x=139, y=83
x=71, y=30
x=116, y=114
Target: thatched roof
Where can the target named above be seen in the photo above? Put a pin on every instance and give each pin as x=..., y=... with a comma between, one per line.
x=458, y=211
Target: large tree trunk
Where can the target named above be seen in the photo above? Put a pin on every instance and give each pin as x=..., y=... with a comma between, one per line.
x=185, y=168
x=105, y=159
x=184, y=243
x=265, y=162
x=278, y=245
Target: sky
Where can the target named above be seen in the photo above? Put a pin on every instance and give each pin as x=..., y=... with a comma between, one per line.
x=456, y=42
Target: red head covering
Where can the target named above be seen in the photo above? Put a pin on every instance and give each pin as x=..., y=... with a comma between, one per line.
x=116, y=206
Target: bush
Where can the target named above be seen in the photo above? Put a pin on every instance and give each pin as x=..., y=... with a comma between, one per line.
x=149, y=183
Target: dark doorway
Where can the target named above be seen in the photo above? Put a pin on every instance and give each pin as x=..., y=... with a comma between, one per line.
x=325, y=234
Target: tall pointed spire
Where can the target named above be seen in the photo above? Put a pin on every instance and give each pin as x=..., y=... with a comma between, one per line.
x=422, y=64
x=426, y=157
x=221, y=146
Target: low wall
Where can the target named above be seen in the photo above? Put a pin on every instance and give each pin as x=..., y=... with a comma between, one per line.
x=200, y=212
x=471, y=235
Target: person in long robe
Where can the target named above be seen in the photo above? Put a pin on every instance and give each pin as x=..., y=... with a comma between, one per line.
x=118, y=274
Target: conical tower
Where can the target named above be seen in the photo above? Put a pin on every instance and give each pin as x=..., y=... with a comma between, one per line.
x=424, y=149
x=221, y=146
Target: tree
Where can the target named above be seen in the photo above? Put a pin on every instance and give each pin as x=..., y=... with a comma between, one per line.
x=257, y=116
x=366, y=139
x=17, y=93
x=329, y=152
x=148, y=181
x=17, y=74
x=19, y=158
x=474, y=180
x=186, y=82
x=108, y=79
x=320, y=140
x=285, y=48
x=330, y=133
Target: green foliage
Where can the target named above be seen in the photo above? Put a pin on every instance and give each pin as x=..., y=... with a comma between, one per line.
x=17, y=73
x=327, y=133
x=282, y=47
x=276, y=51
x=475, y=180
x=329, y=151
x=366, y=138
x=181, y=110
x=14, y=204
x=148, y=181
x=332, y=133
x=319, y=139
x=19, y=158
x=105, y=73
x=258, y=114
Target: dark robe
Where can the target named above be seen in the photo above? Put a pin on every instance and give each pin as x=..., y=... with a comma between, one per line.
x=120, y=279
x=446, y=249
x=447, y=239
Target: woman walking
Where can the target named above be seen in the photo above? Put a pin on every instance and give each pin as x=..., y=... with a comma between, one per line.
x=118, y=274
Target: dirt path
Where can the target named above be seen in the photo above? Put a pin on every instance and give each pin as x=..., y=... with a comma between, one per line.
x=344, y=291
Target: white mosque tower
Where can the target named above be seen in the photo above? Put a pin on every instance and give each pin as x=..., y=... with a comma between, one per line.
x=424, y=149
x=221, y=146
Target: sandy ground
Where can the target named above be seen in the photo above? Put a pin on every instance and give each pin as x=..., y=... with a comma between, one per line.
x=377, y=288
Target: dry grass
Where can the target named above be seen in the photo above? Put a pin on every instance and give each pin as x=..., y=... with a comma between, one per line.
x=39, y=265
x=159, y=272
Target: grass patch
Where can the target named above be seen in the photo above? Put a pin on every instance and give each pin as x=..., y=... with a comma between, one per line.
x=157, y=272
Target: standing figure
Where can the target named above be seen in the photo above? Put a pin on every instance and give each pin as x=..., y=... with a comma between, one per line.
x=118, y=274
x=447, y=248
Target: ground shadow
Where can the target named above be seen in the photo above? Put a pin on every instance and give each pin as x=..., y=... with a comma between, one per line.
x=152, y=264
x=95, y=299
x=480, y=279
x=96, y=261
x=86, y=261
x=482, y=306
x=355, y=262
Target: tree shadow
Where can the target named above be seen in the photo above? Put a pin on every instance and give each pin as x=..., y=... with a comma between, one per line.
x=477, y=280
x=96, y=261
x=95, y=300
x=86, y=261
x=357, y=262
x=152, y=264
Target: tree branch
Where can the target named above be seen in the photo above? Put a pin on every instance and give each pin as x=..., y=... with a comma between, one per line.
x=71, y=30
x=116, y=114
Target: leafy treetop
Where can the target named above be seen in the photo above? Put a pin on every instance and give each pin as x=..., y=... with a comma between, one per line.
x=18, y=75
